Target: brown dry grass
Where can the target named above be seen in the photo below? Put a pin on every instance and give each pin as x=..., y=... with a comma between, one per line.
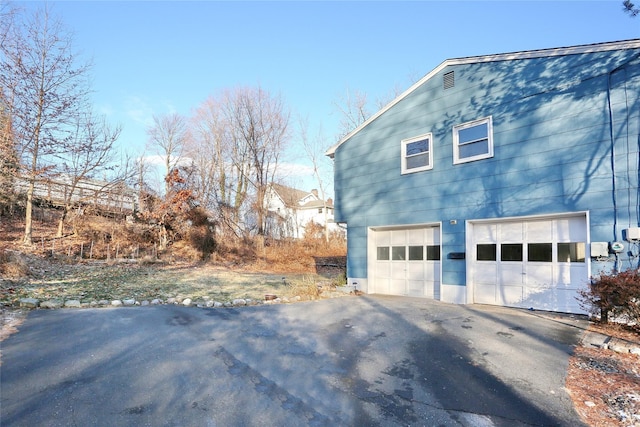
x=100, y=238
x=67, y=268
x=11, y=265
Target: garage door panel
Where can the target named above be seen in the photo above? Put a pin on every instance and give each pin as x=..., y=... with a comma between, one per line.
x=383, y=267
x=510, y=295
x=382, y=271
x=411, y=273
x=415, y=271
x=541, y=299
x=432, y=236
x=398, y=238
x=486, y=274
x=510, y=232
x=382, y=285
x=572, y=275
x=511, y=274
x=540, y=275
x=539, y=231
x=486, y=233
x=566, y=301
x=485, y=294
x=571, y=230
x=415, y=237
x=398, y=286
x=554, y=299
x=548, y=272
x=419, y=288
x=383, y=238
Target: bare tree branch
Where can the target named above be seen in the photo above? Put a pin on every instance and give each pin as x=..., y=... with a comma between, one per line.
x=44, y=90
x=168, y=136
x=88, y=152
x=630, y=8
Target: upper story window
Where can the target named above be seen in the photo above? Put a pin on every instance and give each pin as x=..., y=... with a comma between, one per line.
x=417, y=154
x=473, y=141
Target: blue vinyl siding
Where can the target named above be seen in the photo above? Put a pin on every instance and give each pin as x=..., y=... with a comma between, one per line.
x=552, y=151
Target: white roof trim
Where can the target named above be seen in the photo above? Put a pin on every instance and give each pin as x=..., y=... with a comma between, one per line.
x=529, y=54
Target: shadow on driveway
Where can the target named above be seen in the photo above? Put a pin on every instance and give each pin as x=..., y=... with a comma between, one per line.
x=352, y=361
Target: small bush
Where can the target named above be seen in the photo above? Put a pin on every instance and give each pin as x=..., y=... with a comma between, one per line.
x=306, y=288
x=12, y=265
x=613, y=296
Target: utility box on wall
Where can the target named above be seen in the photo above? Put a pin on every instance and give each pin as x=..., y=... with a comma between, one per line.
x=631, y=234
x=599, y=249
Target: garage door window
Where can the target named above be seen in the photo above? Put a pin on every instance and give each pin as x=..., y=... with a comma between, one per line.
x=540, y=252
x=571, y=252
x=486, y=252
x=383, y=253
x=433, y=253
x=416, y=253
x=511, y=252
x=398, y=253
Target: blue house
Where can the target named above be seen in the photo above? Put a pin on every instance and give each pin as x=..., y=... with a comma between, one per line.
x=506, y=179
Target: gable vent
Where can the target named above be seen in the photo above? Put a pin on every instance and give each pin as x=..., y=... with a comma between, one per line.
x=448, y=80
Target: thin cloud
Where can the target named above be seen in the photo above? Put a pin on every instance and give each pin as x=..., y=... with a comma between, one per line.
x=138, y=110
x=289, y=170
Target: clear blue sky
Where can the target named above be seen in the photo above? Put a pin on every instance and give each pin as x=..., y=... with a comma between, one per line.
x=155, y=57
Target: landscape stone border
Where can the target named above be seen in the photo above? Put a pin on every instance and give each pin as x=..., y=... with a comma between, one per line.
x=33, y=303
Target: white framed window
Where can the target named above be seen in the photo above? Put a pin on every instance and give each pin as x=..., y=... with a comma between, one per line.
x=417, y=153
x=473, y=141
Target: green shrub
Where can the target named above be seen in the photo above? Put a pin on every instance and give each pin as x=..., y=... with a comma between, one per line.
x=614, y=295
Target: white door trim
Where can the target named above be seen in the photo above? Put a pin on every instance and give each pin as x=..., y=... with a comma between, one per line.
x=371, y=249
x=469, y=240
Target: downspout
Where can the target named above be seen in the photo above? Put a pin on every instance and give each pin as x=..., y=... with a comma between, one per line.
x=613, y=169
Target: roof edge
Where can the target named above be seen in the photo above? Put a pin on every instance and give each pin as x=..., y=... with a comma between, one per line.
x=528, y=54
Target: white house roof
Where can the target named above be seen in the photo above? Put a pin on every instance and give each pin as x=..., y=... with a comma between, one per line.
x=289, y=196
x=294, y=198
x=529, y=54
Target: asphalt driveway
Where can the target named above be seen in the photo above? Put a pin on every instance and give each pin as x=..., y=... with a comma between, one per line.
x=353, y=361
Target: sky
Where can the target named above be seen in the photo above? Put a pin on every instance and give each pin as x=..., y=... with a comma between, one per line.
x=160, y=57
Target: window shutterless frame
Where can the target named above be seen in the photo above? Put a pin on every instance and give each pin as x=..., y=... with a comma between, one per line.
x=417, y=153
x=473, y=141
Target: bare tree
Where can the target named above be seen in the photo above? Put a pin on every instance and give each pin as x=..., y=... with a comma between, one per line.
x=235, y=141
x=208, y=150
x=46, y=89
x=234, y=184
x=353, y=109
x=314, y=149
x=9, y=164
x=261, y=124
x=218, y=161
x=89, y=152
x=168, y=136
x=139, y=175
x=8, y=14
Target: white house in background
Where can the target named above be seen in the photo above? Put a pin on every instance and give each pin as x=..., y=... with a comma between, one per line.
x=289, y=211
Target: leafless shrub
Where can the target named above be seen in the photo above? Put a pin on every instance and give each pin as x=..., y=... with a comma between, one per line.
x=12, y=265
x=614, y=295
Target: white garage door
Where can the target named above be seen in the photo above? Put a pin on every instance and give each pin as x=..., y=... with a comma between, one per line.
x=406, y=262
x=531, y=264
